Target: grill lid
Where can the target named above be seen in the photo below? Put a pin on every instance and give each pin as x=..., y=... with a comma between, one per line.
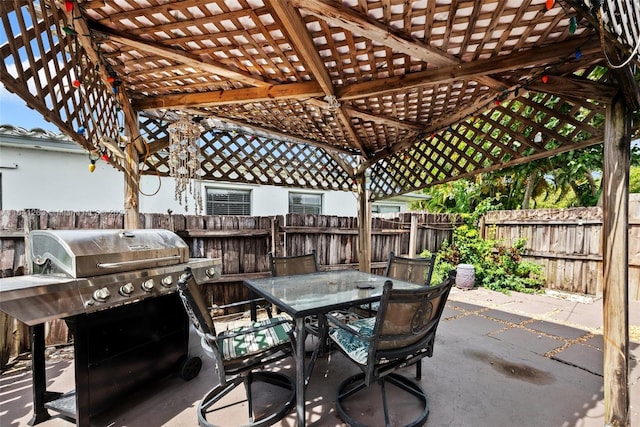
x=85, y=253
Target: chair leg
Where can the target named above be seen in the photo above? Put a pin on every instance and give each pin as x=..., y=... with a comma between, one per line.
x=419, y=370
x=216, y=394
x=354, y=384
x=248, y=380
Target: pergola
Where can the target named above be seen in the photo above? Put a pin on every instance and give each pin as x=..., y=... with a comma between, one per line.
x=380, y=97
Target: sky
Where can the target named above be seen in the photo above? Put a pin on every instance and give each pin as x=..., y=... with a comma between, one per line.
x=14, y=111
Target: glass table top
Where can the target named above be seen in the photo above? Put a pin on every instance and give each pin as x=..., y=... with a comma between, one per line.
x=306, y=294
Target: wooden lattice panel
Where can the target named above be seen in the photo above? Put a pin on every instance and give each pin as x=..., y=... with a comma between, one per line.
x=235, y=156
x=219, y=33
x=208, y=46
x=289, y=117
x=46, y=66
x=530, y=127
x=622, y=19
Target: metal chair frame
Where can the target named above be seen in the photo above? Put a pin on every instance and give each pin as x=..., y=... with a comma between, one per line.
x=235, y=371
x=403, y=334
x=415, y=270
x=296, y=264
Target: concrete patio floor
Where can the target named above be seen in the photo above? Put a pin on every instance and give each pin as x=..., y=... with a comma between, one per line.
x=518, y=360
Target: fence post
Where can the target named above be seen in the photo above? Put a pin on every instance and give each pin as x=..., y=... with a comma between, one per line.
x=31, y=222
x=276, y=243
x=413, y=236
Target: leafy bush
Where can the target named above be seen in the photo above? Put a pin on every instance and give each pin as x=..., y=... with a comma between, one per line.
x=497, y=266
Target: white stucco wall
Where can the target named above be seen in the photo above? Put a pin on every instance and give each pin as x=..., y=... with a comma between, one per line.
x=60, y=180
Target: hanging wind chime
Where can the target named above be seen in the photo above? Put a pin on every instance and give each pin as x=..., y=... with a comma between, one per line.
x=184, y=161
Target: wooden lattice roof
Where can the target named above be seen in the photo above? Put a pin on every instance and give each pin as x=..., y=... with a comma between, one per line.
x=312, y=92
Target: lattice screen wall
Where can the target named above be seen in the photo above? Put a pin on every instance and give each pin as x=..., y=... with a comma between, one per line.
x=237, y=156
x=48, y=68
x=515, y=131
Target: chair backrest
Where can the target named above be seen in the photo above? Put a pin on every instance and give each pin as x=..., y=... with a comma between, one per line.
x=290, y=265
x=415, y=270
x=407, y=320
x=198, y=311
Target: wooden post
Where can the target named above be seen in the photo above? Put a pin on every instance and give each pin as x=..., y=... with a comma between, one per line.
x=413, y=236
x=31, y=222
x=364, y=225
x=276, y=244
x=132, y=183
x=615, y=220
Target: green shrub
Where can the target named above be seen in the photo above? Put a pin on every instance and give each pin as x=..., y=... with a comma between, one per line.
x=497, y=266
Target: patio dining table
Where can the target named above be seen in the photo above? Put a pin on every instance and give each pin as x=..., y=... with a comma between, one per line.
x=306, y=295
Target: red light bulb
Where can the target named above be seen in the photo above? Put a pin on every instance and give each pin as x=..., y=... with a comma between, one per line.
x=76, y=83
x=549, y=4
x=68, y=5
x=545, y=79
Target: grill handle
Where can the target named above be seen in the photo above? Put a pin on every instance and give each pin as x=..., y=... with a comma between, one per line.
x=109, y=265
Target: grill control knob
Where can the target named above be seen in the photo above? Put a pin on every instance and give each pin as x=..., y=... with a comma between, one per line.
x=148, y=285
x=126, y=289
x=167, y=281
x=101, y=294
x=211, y=272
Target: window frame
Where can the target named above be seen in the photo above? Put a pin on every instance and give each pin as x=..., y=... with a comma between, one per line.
x=245, y=206
x=315, y=208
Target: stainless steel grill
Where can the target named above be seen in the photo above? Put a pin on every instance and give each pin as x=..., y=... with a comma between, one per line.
x=82, y=271
x=115, y=289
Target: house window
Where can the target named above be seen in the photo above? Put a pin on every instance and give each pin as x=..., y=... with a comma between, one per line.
x=222, y=201
x=305, y=203
x=381, y=209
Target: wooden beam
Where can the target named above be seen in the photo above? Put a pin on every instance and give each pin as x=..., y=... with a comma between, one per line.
x=232, y=96
x=347, y=18
x=615, y=216
x=555, y=53
x=575, y=89
x=180, y=56
x=295, y=27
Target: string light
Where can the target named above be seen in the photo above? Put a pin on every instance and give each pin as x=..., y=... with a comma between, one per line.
x=70, y=31
x=68, y=6
x=545, y=79
x=93, y=157
x=573, y=24
x=550, y=3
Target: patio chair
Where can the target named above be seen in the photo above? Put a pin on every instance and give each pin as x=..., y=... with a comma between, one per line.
x=414, y=270
x=238, y=354
x=402, y=333
x=293, y=265
x=290, y=265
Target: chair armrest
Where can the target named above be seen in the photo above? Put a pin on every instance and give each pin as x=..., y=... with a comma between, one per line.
x=235, y=304
x=337, y=322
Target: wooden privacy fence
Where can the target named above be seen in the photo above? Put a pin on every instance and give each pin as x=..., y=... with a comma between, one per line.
x=567, y=243
x=241, y=242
